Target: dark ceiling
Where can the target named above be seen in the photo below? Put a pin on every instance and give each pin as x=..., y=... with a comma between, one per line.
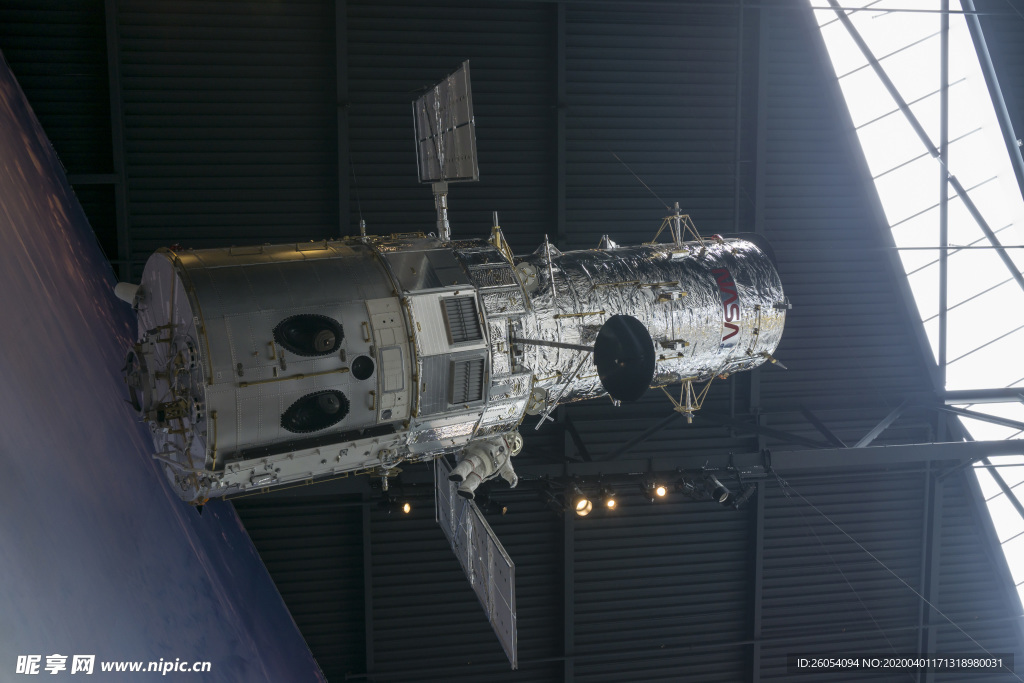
x=249, y=121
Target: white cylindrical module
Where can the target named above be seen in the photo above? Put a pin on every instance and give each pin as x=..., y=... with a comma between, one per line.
x=244, y=352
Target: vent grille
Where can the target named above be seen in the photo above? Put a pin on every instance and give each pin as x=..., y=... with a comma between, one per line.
x=463, y=326
x=467, y=381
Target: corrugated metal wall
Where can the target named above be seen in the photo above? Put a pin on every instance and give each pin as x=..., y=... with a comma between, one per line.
x=510, y=47
x=230, y=122
x=313, y=549
x=58, y=52
x=654, y=84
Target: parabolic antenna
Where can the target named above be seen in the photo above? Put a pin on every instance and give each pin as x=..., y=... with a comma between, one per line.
x=624, y=356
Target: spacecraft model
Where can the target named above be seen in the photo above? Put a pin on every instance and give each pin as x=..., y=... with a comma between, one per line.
x=263, y=366
x=267, y=365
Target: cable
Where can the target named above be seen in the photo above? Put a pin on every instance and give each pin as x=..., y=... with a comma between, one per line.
x=785, y=485
x=641, y=181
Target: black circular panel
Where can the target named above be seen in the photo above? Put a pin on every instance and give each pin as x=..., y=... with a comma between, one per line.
x=624, y=356
x=315, y=411
x=308, y=334
x=362, y=367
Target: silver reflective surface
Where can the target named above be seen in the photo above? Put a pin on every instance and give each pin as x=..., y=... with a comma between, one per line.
x=710, y=311
x=487, y=566
x=445, y=135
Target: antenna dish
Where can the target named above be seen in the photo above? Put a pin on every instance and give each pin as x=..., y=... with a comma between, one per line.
x=624, y=356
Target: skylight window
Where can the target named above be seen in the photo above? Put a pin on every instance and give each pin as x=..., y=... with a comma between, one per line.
x=985, y=306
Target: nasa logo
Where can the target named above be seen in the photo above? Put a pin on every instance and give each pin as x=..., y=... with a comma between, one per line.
x=730, y=302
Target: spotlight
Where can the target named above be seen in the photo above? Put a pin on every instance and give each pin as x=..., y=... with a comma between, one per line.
x=745, y=495
x=653, y=490
x=719, y=491
x=580, y=503
x=406, y=507
x=608, y=500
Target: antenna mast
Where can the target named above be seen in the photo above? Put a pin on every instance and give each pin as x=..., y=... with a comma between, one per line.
x=446, y=140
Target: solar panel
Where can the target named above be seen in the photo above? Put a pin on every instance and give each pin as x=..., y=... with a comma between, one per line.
x=445, y=131
x=487, y=566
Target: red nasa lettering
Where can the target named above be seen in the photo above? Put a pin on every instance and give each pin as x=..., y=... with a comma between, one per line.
x=730, y=301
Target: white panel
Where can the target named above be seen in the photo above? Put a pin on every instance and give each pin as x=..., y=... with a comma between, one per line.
x=394, y=372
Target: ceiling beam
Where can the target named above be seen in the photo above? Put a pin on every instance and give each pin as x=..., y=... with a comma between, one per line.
x=996, y=92
x=344, y=151
x=995, y=395
x=785, y=461
x=877, y=430
x=367, y=583
x=822, y=427
x=123, y=259
x=561, y=231
x=757, y=606
x=915, y=124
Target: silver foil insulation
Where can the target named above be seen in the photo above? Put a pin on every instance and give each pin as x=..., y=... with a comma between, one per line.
x=711, y=310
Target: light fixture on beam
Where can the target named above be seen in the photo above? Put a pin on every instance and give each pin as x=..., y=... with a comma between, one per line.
x=719, y=491
x=581, y=505
x=608, y=499
x=654, y=490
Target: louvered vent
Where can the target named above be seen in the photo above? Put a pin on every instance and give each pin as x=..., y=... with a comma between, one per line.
x=460, y=312
x=467, y=381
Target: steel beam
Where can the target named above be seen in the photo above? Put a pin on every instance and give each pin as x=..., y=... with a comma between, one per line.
x=367, y=584
x=117, y=137
x=943, y=201
x=811, y=461
x=561, y=230
x=998, y=103
x=993, y=550
x=760, y=430
x=758, y=570
x=568, y=597
x=1004, y=487
x=820, y=459
x=992, y=419
x=649, y=432
x=344, y=149
x=877, y=214
x=821, y=427
x=926, y=141
x=738, y=138
x=574, y=436
x=995, y=395
x=882, y=426
x=930, y=566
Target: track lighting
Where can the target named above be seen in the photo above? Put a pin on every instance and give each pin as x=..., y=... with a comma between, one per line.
x=745, y=495
x=653, y=490
x=608, y=500
x=719, y=491
x=581, y=505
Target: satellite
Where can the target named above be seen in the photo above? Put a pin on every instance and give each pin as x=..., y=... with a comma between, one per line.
x=264, y=366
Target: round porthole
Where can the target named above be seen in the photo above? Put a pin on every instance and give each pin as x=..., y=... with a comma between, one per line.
x=315, y=411
x=362, y=367
x=308, y=334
